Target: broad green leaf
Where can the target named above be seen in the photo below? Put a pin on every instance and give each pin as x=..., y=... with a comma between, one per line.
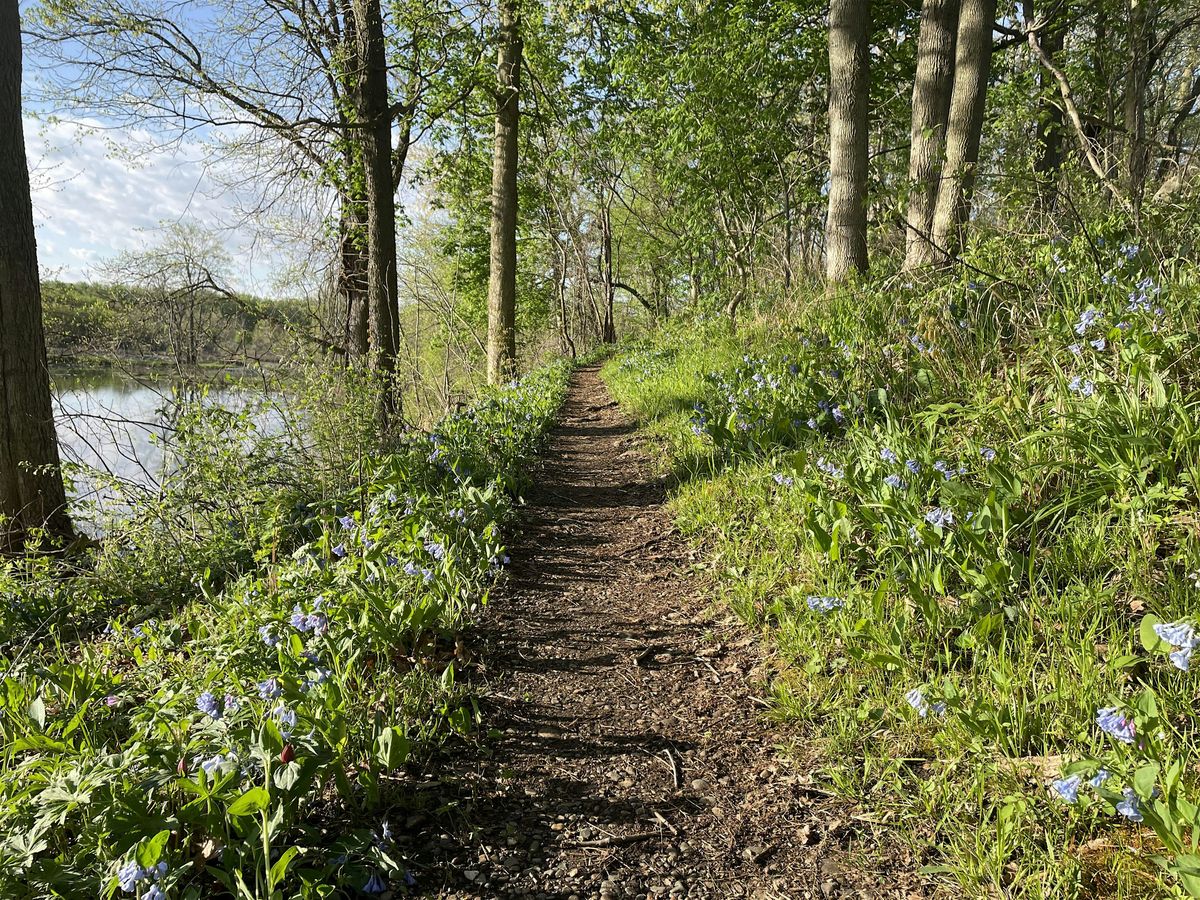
x=254, y=800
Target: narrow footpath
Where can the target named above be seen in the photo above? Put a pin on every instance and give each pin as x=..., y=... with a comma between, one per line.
x=629, y=754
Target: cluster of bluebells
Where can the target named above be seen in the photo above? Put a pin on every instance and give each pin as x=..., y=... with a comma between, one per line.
x=131, y=875
x=829, y=468
x=1183, y=638
x=216, y=708
x=783, y=480
x=1085, y=387
x=824, y=604
x=1067, y=790
x=313, y=621
x=940, y=517
x=1116, y=724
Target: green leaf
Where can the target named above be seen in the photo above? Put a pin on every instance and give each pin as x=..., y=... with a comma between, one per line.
x=37, y=712
x=391, y=748
x=1144, y=778
x=1151, y=641
x=279, y=870
x=149, y=851
x=254, y=800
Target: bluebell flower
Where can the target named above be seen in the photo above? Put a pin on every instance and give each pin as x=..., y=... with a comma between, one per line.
x=269, y=689
x=895, y=482
x=339, y=551
x=1085, y=387
x=129, y=875
x=207, y=703
x=888, y=455
x=1087, y=319
x=298, y=618
x=1108, y=278
x=1076, y=348
x=1068, y=788
x=347, y=522
x=231, y=703
x=154, y=892
x=945, y=468
x=783, y=480
x=824, y=604
x=939, y=517
x=1099, y=778
x=268, y=635
x=913, y=466
x=917, y=701
x=1129, y=806
x=988, y=454
x=1183, y=638
x=1099, y=344
x=436, y=549
x=286, y=718
x=1129, y=251
x=812, y=423
x=838, y=415
x=212, y=765
x=829, y=468
x=1113, y=722
x=376, y=884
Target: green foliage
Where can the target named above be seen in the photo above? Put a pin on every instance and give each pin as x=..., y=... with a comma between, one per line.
x=280, y=643
x=959, y=510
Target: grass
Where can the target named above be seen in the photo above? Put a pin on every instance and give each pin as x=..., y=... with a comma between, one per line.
x=993, y=486
x=279, y=644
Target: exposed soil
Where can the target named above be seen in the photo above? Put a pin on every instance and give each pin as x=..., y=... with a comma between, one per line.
x=629, y=754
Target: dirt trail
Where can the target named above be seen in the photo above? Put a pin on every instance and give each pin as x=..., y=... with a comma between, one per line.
x=629, y=755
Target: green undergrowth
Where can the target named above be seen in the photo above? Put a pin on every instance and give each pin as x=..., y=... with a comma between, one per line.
x=277, y=653
x=959, y=509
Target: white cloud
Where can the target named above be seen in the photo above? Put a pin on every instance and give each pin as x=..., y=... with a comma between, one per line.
x=97, y=193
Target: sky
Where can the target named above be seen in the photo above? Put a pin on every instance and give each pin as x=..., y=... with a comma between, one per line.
x=97, y=193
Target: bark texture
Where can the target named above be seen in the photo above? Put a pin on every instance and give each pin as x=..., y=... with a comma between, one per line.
x=502, y=273
x=846, y=223
x=930, y=109
x=31, y=485
x=374, y=110
x=972, y=66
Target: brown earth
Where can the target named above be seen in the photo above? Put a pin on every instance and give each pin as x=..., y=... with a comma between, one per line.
x=628, y=753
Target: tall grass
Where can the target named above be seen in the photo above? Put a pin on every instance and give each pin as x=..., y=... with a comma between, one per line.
x=959, y=509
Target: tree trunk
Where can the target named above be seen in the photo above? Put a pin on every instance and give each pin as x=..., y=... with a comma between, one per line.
x=502, y=273
x=31, y=485
x=376, y=136
x=1133, y=106
x=608, y=328
x=930, y=109
x=352, y=277
x=972, y=67
x=846, y=223
x=1049, y=159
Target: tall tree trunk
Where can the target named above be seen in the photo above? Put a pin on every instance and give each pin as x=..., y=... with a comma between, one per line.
x=972, y=67
x=930, y=109
x=502, y=274
x=1133, y=106
x=352, y=277
x=376, y=136
x=1049, y=159
x=608, y=329
x=846, y=223
x=31, y=485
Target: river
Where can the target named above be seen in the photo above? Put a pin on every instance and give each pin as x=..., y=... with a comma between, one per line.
x=116, y=428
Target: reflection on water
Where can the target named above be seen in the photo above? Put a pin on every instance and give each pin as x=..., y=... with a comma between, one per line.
x=118, y=427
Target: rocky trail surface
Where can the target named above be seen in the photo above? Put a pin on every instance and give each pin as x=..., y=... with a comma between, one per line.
x=626, y=752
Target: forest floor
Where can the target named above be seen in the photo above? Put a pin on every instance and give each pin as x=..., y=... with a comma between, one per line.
x=628, y=752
